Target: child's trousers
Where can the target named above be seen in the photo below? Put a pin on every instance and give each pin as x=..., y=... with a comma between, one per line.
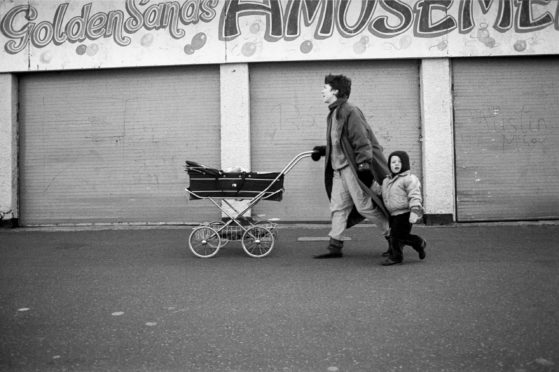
x=400, y=229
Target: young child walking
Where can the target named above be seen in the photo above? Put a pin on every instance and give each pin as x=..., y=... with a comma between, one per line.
x=401, y=193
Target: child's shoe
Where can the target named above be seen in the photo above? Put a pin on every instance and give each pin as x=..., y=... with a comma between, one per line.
x=421, y=249
x=387, y=252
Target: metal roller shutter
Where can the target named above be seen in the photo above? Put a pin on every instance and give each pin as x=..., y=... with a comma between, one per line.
x=507, y=136
x=288, y=117
x=109, y=146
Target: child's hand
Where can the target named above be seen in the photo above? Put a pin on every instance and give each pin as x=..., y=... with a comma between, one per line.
x=377, y=189
x=415, y=215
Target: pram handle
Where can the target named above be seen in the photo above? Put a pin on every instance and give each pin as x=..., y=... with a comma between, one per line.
x=295, y=160
x=284, y=171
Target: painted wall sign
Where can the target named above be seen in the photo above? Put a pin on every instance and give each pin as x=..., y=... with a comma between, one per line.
x=79, y=34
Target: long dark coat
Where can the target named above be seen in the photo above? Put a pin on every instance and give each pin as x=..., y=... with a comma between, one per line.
x=359, y=145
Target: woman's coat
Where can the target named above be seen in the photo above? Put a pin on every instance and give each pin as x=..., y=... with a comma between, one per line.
x=359, y=145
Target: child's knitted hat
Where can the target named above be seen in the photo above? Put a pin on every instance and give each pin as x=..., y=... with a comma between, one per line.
x=404, y=158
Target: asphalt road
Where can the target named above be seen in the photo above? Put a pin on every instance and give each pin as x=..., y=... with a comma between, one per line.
x=484, y=299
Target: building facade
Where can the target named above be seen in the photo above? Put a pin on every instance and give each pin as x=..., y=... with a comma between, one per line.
x=102, y=102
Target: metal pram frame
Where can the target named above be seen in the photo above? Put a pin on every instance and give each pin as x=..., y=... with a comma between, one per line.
x=257, y=237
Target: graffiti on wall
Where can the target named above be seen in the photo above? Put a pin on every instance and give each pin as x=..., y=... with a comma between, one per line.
x=37, y=35
x=523, y=128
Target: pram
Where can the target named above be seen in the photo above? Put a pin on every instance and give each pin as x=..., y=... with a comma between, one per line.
x=257, y=237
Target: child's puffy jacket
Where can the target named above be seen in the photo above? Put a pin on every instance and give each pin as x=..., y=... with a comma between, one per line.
x=400, y=193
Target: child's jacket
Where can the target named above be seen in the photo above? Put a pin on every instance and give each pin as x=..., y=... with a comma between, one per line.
x=401, y=192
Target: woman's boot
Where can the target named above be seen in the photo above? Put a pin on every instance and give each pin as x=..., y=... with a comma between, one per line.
x=334, y=249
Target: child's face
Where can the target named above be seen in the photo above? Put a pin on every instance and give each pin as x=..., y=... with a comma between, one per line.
x=395, y=164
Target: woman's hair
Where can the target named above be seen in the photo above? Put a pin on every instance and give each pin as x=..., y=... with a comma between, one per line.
x=339, y=82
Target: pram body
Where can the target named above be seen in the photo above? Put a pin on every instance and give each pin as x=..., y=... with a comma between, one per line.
x=257, y=237
x=235, y=185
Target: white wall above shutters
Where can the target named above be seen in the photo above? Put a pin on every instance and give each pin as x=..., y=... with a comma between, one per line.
x=288, y=116
x=109, y=146
x=507, y=136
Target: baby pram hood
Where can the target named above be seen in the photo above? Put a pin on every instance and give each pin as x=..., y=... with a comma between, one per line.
x=202, y=169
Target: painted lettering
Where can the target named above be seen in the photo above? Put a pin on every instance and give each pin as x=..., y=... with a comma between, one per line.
x=207, y=11
x=424, y=25
x=466, y=21
x=283, y=19
x=152, y=16
x=365, y=15
x=465, y=17
x=135, y=22
x=380, y=26
x=96, y=26
x=309, y=10
x=524, y=21
x=113, y=24
x=42, y=34
x=234, y=9
x=75, y=28
x=59, y=36
x=20, y=37
x=504, y=18
x=170, y=20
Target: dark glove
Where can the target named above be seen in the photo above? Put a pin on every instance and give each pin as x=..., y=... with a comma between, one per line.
x=364, y=173
x=319, y=151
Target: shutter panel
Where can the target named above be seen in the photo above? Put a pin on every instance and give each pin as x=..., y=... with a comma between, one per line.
x=507, y=136
x=109, y=146
x=288, y=116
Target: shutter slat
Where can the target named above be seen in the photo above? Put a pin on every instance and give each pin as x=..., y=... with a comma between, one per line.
x=507, y=136
x=288, y=116
x=110, y=145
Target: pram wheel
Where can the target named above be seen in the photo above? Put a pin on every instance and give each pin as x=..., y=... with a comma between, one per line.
x=223, y=232
x=204, y=242
x=270, y=226
x=258, y=241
